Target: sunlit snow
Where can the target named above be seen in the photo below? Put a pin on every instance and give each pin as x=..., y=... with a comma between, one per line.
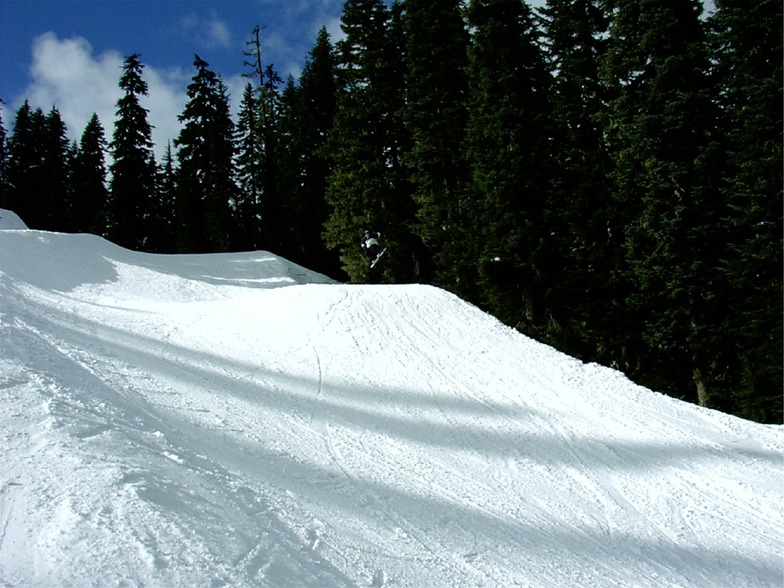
x=237, y=420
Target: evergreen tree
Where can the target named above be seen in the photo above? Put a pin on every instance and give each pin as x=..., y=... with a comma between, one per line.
x=366, y=187
x=249, y=170
x=164, y=240
x=274, y=228
x=38, y=169
x=133, y=170
x=169, y=195
x=310, y=113
x=276, y=223
x=662, y=128
x=508, y=151
x=25, y=164
x=52, y=212
x=409, y=259
x=577, y=214
x=4, y=184
x=90, y=195
x=288, y=165
x=57, y=171
x=205, y=175
x=436, y=114
x=748, y=50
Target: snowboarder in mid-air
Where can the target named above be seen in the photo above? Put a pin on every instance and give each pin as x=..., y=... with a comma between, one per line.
x=372, y=249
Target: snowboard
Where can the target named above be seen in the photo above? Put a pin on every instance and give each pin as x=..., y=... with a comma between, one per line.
x=375, y=261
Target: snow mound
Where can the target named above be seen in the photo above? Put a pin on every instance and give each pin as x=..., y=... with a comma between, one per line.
x=9, y=221
x=237, y=420
x=93, y=268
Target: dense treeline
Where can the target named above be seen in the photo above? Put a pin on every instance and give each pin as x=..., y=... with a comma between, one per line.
x=604, y=175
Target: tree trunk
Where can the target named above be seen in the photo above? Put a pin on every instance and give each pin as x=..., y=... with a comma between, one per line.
x=702, y=394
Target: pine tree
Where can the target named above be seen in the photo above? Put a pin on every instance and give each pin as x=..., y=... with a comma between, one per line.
x=748, y=48
x=409, y=259
x=164, y=239
x=249, y=169
x=25, y=164
x=4, y=183
x=133, y=170
x=508, y=152
x=38, y=169
x=435, y=115
x=367, y=186
x=577, y=214
x=288, y=173
x=161, y=227
x=660, y=126
x=205, y=175
x=310, y=111
x=90, y=194
x=52, y=212
x=276, y=224
x=274, y=229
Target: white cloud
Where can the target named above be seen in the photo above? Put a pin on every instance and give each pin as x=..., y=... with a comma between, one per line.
x=335, y=32
x=66, y=74
x=219, y=33
x=236, y=86
x=165, y=102
x=211, y=32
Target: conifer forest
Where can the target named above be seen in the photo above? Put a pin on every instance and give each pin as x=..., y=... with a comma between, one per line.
x=603, y=175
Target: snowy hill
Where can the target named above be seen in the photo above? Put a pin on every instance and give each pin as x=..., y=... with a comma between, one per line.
x=236, y=420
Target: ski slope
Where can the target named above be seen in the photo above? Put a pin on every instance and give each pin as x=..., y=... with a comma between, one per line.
x=237, y=420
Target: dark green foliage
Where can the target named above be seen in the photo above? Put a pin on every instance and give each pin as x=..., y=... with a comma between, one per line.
x=38, y=170
x=250, y=156
x=310, y=110
x=367, y=187
x=436, y=112
x=164, y=240
x=53, y=210
x=133, y=170
x=507, y=148
x=581, y=288
x=205, y=152
x=25, y=165
x=249, y=173
x=260, y=156
x=275, y=222
x=4, y=185
x=747, y=39
x=88, y=181
x=662, y=124
x=288, y=165
x=407, y=259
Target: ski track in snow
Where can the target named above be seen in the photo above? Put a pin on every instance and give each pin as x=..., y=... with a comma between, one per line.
x=236, y=420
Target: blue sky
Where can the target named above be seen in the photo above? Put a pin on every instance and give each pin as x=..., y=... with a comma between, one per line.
x=166, y=32
x=69, y=53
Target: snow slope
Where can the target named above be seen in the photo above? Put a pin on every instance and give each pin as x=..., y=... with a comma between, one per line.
x=236, y=420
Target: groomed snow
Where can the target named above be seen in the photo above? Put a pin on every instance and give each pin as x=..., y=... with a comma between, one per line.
x=237, y=420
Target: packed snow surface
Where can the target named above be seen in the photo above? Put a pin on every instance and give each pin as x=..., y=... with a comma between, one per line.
x=237, y=420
